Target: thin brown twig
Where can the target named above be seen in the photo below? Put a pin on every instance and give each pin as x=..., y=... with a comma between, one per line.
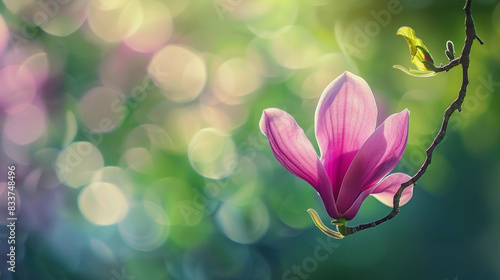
x=471, y=35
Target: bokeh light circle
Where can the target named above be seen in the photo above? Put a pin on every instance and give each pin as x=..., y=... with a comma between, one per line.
x=295, y=48
x=114, y=175
x=224, y=116
x=39, y=67
x=66, y=17
x=244, y=224
x=139, y=159
x=236, y=78
x=270, y=18
x=71, y=128
x=117, y=23
x=102, y=203
x=77, y=163
x=102, y=109
x=155, y=29
x=102, y=251
x=141, y=231
x=180, y=72
x=18, y=88
x=108, y=4
x=26, y=126
x=212, y=153
x=329, y=67
x=15, y=6
x=174, y=122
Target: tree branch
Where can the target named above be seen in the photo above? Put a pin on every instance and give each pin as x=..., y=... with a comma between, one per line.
x=447, y=67
x=470, y=32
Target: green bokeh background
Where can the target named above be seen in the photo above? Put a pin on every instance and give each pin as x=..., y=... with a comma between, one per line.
x=216, y=204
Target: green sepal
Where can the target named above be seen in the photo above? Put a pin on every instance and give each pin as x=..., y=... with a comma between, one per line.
x=429, y=66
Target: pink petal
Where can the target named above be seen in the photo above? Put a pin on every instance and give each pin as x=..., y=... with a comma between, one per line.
x=377, y=157
x=353, y=210
x=296, y=153
x=386, y=189
x=384, y=192
x=345, y=117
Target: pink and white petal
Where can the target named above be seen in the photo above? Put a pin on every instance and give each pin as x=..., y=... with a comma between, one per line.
x=296, y=153
x=386, y=189
x=375, y=159
x=345, y=117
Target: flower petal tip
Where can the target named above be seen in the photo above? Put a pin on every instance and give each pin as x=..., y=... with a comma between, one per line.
x=267, y=116
x=262, y=122
x=406, y=112
x=347, y=74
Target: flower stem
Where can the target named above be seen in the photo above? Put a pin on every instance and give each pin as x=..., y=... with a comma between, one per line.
x=470, y=32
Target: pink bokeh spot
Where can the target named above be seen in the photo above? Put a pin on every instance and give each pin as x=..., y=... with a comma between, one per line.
x=356, y=156
x=18, y=88
x=26, y=126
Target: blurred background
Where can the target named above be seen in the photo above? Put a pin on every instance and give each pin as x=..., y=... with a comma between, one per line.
x=133, y=128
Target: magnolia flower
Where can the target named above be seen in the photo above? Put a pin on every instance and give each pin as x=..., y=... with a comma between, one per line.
x=420, y=56
x=355, y=157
